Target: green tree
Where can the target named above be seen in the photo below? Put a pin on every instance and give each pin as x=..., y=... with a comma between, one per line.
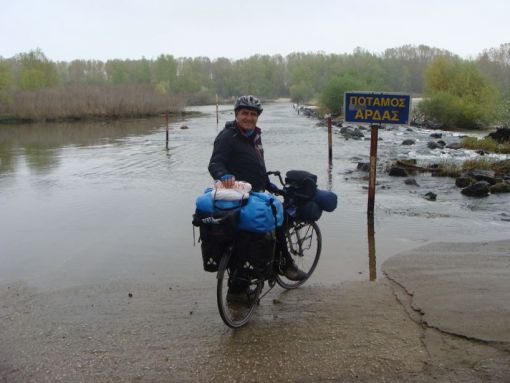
x=332, y=96
x=300, y=92
x=5, y=81
x=165, y=71
x=117, y=71
x=223, y=81
x=458, y=94
x=35, y=71
x=495, y=63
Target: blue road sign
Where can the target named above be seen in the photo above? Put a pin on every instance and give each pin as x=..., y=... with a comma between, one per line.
x=377, y=108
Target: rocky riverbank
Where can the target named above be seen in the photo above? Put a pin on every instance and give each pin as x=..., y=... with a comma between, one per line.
x=479, y=174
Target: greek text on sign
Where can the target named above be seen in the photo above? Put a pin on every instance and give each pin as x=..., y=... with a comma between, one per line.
x=377, y=108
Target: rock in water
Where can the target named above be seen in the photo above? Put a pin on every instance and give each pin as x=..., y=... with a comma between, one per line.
x=478, y=189
x=397, y=171
x=411, y=181
x=430, y=196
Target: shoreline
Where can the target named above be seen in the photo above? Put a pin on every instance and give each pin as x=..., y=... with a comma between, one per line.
x=21, y=121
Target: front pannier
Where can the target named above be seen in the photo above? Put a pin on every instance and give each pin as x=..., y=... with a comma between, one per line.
x=309, y=212
x=305, y=201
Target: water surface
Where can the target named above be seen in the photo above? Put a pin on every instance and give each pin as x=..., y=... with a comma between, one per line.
x=87, y=203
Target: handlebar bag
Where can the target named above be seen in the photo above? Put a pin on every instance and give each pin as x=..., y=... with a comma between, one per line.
x=258, y=214
x=301, y=184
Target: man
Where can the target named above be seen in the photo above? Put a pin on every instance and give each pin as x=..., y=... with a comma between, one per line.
x=238, y=154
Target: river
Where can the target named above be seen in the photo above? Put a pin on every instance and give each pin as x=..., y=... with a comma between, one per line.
x=88, y=203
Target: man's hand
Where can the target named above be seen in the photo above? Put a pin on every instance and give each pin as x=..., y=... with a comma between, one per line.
x=228, y=181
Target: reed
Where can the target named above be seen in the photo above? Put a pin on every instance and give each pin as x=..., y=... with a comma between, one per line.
x=81, y=102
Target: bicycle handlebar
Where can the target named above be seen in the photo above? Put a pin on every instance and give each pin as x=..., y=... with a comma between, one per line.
x=276, y=173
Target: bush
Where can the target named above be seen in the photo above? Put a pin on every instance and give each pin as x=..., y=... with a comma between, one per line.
x=453, y=112
x=459, y=96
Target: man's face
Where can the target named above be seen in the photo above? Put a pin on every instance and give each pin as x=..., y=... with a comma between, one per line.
x=246, y=119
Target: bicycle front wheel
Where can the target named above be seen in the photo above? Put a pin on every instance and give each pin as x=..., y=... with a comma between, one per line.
x=304, y=242
x=235, y=313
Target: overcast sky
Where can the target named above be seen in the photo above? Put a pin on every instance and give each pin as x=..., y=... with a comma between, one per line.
x=107, y=29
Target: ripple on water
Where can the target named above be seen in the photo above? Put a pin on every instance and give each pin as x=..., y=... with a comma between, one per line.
x=113, y=202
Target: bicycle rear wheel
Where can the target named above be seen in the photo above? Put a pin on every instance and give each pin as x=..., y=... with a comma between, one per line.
x=304, y=242
x=235, y=314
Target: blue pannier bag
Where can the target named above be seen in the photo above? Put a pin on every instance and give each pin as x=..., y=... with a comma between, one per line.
x=258, y=214
x=207, y=205
x=326, y=200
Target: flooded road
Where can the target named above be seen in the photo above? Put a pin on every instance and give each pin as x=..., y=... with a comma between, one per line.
x=87, y=203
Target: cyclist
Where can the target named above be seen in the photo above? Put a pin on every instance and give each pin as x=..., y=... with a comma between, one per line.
x=238, y=154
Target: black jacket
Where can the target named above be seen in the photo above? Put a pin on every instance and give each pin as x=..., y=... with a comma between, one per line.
x=241, y=156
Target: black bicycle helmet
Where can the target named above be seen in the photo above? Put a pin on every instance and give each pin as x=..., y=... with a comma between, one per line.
x=248, y=102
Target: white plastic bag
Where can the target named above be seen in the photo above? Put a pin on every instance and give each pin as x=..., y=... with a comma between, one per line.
x=240, y=191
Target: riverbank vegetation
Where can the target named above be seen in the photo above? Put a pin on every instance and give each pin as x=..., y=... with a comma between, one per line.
x=458, y=93
x=486, y=144
x=454, y=169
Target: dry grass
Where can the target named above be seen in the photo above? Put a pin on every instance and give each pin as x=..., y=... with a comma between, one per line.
x=488, y=144
x=451, y=169
x=76, y=102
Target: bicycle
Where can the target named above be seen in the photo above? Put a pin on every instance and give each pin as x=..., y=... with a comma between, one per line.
x=304, y=243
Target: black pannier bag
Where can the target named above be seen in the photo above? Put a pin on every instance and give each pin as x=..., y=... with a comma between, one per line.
x=309, y=212
x=301, y=184
x=254, y=252
x=214, y=239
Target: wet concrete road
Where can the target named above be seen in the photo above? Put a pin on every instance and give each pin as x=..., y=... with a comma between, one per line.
x=355, y=331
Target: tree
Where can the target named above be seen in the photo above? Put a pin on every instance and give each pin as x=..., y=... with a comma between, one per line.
x=5, y=81
x=165, y=71
x=300, y=92
x=495, y=63
x=405, y=66
x=458, y=94
x=222, y=77
x=36, y=71
x=332, y=96
x=116, y=71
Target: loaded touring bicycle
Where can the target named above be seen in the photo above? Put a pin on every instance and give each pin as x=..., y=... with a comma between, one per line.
x=238, y=241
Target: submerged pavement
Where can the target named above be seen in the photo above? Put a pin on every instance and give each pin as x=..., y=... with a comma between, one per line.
x=399, y=329
x=458, y=288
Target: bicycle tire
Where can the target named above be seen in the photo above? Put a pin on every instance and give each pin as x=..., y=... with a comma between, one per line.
x=304, y=242
x=234, y=315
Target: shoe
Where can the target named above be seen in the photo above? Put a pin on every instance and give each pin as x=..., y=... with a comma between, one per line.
x=241, y=297
x=293, y=273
